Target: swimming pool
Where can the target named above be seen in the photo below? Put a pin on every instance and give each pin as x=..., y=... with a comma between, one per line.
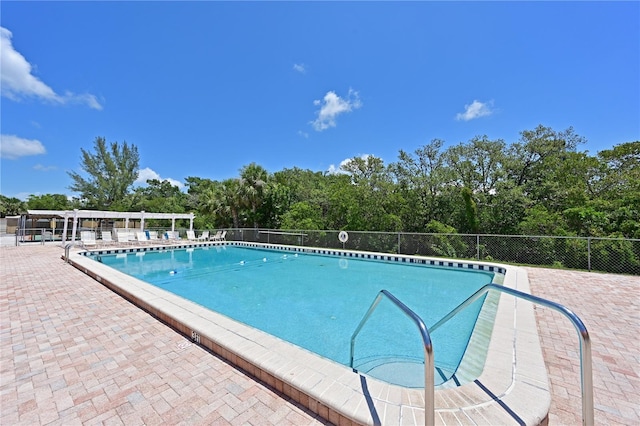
x=510, y=385
x=316, y=301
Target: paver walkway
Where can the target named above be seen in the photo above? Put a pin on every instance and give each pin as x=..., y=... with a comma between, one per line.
x=609, y=306
x=73, y=352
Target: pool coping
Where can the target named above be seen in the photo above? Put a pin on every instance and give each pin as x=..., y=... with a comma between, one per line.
x=512, y=389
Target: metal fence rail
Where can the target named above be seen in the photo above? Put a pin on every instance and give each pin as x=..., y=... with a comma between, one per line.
x=614, y=255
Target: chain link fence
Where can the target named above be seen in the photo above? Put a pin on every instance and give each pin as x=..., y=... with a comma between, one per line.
x=614, y=255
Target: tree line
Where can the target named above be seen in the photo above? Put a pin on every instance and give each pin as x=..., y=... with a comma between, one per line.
x=542, y=184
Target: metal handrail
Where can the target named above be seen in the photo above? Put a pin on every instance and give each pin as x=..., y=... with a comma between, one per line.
x=586, y=375
x=429, y=415
x=67, y=248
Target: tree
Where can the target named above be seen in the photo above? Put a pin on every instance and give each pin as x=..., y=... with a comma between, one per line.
x=368, y=198
x=302, y=216
x=11, y=206
x=48, y=202
x=225, y=200
x=253, y=179
x=111, y=171
x=297, y=185
x=477, y=165
x=471, y=222
x=538, y=154
x=422, y=177
x=159, y=197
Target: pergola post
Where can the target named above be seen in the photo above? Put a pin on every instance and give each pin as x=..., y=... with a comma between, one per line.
x=65, y=228
x=75, y=225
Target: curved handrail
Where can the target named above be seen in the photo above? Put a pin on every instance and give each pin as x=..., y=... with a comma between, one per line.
x=585, y=341
x=67, y=248
x=429, y=415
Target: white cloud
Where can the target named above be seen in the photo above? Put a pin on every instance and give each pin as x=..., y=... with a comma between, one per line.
x=303, y=134
x=42, y=168
x=12, y=147
x=24, y=196
x=17, y=81
x=475, y=110
x=301, y=68
x=332, y=106
x=145, y=174
x=333, y=170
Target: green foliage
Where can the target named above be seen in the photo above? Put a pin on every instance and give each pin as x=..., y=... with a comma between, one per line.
x=111, y=171
x=159, y=197
x=539, y=185
x=446, y=242
x=470, y=211
x=616, y=256
x=421, y=178
x=538, y=220
x=48, y=202
x=253, y=182
x=586, y=221
x=11, y=206
x=302, y=215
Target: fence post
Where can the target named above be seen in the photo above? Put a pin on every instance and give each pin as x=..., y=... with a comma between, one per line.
x=399, y=251
x=589, y=253
x=478, y=246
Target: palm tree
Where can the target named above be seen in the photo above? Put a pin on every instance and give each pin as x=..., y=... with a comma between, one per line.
x=230, y=200
x=253, y=179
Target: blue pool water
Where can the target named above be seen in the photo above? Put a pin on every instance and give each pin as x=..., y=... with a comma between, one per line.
x=317, y=301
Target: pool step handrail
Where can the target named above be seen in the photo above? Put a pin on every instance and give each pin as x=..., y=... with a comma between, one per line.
x=68, y=247
x=429, y=388
x=586, y=374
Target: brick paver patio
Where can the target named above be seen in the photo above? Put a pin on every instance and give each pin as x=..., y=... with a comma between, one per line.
x=73, y=352
x=609, y=306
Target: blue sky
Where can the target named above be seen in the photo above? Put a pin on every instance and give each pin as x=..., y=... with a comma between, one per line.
x=204, y=88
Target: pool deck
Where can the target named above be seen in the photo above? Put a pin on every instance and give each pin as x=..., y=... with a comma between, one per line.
x=74, y=352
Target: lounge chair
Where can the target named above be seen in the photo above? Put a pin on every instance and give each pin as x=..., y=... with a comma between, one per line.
x=204, y=236
x=122, y=237
x=191, y=235
x=215, y=237
x=88, y=238
x=172, y=236
x=106, y=239
x=141, y=237
x=220, y=236
x=153, y=237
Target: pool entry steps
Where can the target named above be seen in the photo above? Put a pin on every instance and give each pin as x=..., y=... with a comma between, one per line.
x=512, y=387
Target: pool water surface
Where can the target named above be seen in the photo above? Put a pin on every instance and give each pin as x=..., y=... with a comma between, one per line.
x=316, y=301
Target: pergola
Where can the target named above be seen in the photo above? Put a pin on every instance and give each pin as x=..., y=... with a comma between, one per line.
x=76, y=214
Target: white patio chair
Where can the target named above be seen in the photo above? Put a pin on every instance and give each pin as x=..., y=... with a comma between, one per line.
x=122, y=237
x=141, y=237
x=106, y=239
x=88, y=238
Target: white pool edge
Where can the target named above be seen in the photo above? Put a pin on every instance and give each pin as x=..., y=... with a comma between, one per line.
x=512, y=389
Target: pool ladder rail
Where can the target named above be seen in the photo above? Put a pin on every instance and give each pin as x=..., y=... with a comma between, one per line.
x=586, y=374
